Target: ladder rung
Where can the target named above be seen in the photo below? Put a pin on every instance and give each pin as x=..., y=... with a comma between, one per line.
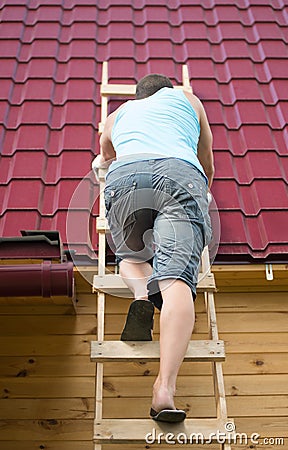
x=118, y=89
x=110, y=284
x=127, y=89
x=121, y=431
x=114, y=285
x=198, y=350
x=206, y=283
x=102, y=225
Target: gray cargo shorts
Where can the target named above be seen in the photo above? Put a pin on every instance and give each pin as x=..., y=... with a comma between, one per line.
x=157, y=211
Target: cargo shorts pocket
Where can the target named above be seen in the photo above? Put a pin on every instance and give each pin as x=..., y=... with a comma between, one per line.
x=198, y=208
x=119, y=196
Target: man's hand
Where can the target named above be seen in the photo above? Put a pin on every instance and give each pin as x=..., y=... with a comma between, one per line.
x=99, y=163
x=209, y=198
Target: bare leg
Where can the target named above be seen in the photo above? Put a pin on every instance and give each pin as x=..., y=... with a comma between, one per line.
x=135, y=275
x=139, y=320
x=176, y=325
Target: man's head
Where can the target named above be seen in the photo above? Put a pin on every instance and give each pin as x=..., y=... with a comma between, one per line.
x=150, y=84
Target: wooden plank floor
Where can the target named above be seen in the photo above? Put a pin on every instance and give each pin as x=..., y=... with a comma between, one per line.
x=47, y=382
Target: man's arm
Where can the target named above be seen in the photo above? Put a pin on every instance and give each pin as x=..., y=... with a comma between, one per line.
x=204, y=150
x=107, y=151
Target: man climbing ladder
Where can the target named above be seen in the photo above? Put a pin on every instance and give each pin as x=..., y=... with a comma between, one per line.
x=159, y=152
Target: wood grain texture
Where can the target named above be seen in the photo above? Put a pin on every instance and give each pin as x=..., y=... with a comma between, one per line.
x=149, y=351
x=48, y=382
x=88, y=445
x=135, y=431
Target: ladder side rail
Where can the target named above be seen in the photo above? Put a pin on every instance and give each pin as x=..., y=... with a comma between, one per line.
x=101, y=268
x=218, y=379
x=209, y=297
x=205, y=269
x=104, y=99
x=185, y=79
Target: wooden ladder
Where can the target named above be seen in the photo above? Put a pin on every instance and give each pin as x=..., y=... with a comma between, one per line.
x=124, y=431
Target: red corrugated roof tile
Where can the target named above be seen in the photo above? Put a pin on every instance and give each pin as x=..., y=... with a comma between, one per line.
x=257, y=165
x=63, y=192
x=68, y=164
x=20, y=194
x=13, y=221
x=50, y=71
x=24, y=165
x=253, y=198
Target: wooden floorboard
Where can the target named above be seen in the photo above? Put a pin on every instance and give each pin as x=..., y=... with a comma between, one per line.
x=77, y=365
x=47, y=382
x=50, y=325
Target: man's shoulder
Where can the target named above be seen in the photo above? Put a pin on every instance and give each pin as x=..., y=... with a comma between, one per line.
x=112, y=116
x=195, y=102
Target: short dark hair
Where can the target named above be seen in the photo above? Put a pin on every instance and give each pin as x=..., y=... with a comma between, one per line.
x=150, y=84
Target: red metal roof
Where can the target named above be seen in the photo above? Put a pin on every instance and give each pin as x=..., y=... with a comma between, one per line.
x=50, y=72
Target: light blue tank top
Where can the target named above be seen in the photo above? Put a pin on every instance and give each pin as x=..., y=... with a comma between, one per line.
x=164, y=125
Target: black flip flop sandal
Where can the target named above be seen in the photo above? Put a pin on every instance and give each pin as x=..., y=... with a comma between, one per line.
x=168, y=415
x=139, y=322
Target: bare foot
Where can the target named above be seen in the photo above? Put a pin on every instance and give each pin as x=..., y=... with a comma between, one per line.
x=162, y=397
